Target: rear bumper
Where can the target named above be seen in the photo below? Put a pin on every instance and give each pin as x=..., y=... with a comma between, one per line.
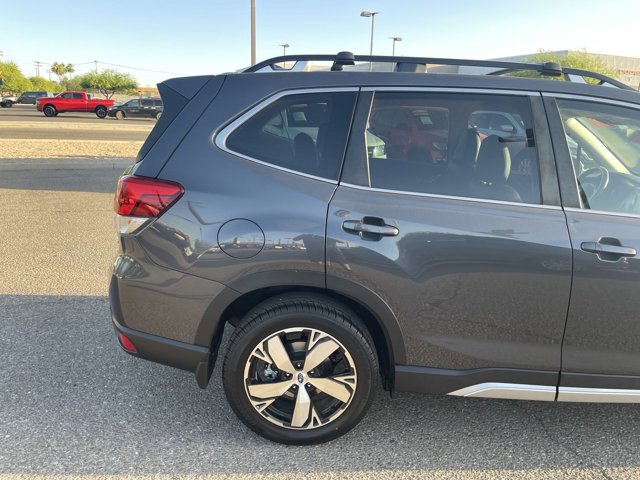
x=185, y=356
x=170, y=317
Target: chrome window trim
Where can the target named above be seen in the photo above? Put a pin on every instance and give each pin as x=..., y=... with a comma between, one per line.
x=512, y=391
x=488, y=91
x=451, y=197
x=588, y=98
x=219, y=138
x=598, y=395
x=601, y=212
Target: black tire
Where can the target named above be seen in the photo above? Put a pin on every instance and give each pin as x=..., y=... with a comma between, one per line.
x=101, y=111
x=158, y=115
x=9, y=103
x=304, y=316
x=119, y=115
x=3, y=105
x=49, y=111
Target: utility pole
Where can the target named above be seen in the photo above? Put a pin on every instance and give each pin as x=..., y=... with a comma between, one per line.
x=37, y=64
x=96, y=62
x=253, y=32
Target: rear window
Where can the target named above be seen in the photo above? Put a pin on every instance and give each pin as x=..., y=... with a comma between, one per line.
x=302, y=132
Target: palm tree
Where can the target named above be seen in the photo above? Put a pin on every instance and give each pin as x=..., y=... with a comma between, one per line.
x=60, y=69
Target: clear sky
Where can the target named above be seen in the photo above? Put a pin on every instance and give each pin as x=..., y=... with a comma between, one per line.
x=189, y=37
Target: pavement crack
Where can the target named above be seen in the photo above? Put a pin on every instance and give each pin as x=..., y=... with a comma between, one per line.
x=581, y=460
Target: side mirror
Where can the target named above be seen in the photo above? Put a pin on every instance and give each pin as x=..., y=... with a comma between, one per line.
x=507, y=128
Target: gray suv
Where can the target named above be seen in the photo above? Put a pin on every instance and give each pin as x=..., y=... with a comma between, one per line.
x=506, y=267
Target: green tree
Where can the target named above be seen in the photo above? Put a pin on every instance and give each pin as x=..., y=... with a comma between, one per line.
x=39, y=83
x=574, y=59
x=14, y=81
x=72, y=83
x=109, y=82
x=60, y=69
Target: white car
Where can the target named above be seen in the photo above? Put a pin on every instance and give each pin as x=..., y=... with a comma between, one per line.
x=7, y=102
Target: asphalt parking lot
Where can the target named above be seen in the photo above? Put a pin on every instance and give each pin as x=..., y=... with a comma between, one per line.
x=73, y=405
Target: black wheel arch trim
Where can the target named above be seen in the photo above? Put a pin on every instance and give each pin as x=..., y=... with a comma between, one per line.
x=211, y=327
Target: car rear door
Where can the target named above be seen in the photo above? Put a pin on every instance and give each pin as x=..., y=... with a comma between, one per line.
x=478, y=283
x=146, y=109
x=79, y=103
x=598, y=151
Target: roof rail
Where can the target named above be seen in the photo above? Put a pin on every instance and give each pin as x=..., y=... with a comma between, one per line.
x=419, y=65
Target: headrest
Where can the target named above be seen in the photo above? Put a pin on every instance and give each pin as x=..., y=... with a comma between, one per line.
x=494, y=160
x=467, y=149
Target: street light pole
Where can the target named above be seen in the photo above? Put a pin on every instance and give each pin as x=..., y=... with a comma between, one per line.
x=367, y=14
x=393, y=48
x=284, y=52
x=253, y=32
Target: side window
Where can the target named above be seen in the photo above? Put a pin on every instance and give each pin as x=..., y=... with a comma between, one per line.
x=67, y=95
x=444, y=149
x=147, y=103
x=157, y=103
x=604, y=144
x=302, y=132
x=77, y=95
x=133, y=103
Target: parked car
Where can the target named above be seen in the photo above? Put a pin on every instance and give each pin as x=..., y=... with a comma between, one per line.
x=504, y=125
x=7, y=101
x=412, y=132
x=30, y=97
x=138, y=107
x=268, y=204
x=73, y=102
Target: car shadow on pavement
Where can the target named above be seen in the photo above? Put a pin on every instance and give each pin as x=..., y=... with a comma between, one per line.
x=72, y=402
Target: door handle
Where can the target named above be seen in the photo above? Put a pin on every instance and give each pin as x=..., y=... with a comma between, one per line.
x=609, y=250
x=370, y=227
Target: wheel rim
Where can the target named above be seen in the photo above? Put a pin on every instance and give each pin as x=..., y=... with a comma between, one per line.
x=300, y=378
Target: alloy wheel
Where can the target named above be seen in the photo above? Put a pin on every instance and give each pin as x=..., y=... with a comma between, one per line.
x=300, y=378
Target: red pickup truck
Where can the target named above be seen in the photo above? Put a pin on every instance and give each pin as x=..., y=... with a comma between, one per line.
x=73, y=102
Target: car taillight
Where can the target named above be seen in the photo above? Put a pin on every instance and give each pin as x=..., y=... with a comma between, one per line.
x=139, y=199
